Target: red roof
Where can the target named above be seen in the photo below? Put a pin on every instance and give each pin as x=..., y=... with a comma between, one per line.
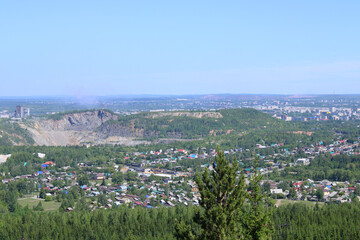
x=297, y=184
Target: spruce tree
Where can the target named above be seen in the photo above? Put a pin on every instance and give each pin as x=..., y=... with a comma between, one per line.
x=103, y=182
x=39, y=207
x=257, y=218
x=222, y=198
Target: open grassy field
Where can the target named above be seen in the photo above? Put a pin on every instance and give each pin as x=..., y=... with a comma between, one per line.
x=281, y=202
x=31, y=202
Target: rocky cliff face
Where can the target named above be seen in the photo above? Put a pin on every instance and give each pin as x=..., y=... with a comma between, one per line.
x=82, y=121
x=111, y=129
x=104, y=127
x=78, y=129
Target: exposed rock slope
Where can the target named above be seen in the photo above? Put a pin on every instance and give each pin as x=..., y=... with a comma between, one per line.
x=105, y=127
x=76, y=129
x=81, y=121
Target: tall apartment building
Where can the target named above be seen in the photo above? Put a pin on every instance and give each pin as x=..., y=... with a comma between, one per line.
x=26, y=112
x=19, y=112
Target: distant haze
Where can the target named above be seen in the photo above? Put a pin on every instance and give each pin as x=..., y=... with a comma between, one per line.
x=97, y=48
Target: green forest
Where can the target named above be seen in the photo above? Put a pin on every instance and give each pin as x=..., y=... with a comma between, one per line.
x=296, y=221
x=229, y=209
x=334, y=168
x=231, y=120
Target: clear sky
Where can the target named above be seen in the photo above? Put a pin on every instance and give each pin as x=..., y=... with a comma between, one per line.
x=179, y=47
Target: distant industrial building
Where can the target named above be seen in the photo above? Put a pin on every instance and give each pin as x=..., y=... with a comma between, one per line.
x=21, y=112
x=26, y=112
x=4, y=114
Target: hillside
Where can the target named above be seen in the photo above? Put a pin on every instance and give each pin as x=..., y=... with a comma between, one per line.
x=189, y=125
x=14, y=134
x=105, y=127
x=74, y=128
x=86, y=120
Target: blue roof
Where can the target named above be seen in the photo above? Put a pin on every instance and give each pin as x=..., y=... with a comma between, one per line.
x=39, y=172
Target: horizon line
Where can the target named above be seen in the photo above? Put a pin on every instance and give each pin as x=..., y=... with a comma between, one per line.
x=178, y=95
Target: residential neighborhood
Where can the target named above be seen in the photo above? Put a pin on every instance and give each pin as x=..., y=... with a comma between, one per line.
x=162, y=178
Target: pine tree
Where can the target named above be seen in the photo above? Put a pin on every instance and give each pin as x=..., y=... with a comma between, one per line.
x=183, y=231
x=39, y=207
x=320, y=194
x=292, y=193
x=42, y=193
x=103, y=182
x=82, y=205
x=257, y=219
x=222, y=198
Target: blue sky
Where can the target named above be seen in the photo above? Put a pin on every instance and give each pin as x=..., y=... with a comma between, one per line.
x=179, y=47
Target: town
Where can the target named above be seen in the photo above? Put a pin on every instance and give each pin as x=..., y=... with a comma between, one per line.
x=166, y=177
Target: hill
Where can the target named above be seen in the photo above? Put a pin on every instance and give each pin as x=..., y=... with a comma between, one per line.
x=11, y=133
x=72, y=128
x=189, y=125
x=105, y=127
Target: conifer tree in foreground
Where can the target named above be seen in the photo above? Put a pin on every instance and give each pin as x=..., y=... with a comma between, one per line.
x=222, y=213
x=256, y=220
x=222, y=199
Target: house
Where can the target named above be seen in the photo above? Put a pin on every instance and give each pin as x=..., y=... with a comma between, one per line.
x=272, y=185
x=303, y=161
x=99, y=176
x=194, y=189
x=124, y=169
x=6, y=180
x=170, y=204
x=297, y=184
x=276, y=191
x=69, y=209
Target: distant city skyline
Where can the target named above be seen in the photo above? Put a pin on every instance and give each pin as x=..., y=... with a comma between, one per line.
x=90, y=48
